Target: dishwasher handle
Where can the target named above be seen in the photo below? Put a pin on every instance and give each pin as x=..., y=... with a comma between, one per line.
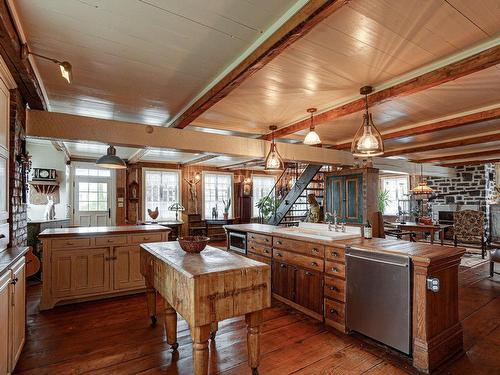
x=378, y=260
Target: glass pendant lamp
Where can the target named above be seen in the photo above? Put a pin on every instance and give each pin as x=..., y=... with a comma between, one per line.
x=367, y=141
x=312, y=138
x=422, y=188
x=273, y=161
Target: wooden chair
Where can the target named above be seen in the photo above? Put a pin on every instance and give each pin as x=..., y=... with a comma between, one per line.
x=468, y=228
x=379, y=230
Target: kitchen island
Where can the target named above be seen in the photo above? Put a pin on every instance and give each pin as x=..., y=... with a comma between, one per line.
x=309, y=274
x=84, y=263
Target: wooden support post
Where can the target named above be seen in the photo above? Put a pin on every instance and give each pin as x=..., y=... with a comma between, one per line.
x=170, y=324
x=253, y=321
x=200, y=337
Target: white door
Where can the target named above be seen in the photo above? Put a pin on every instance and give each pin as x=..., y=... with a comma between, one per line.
x=93, y=193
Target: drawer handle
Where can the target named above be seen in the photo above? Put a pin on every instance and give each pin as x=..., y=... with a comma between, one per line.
x=14, y=281
x=333, y=311
x=335, y=269
x=265, y=251
x=110, y=240
x=279, y=242
x=70, y=243
x=315, y=250
x=267, y=239
x=334, y=288
x=278, y=254
x=283, y=265
x=251, y=247
x=335, y=254
x=145, y=238
x=315, y=264
x=308, y=273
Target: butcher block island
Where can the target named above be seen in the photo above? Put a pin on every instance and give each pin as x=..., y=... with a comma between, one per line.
x=322, y=275
x=85, y=263
x=204, y=289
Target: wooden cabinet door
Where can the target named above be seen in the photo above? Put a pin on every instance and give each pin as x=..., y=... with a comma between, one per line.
x=18, y=311
x=309, y=290
x=283, y=280
x=4, y=322
x=127, y=268
x=78, y=272
x=335, y=195
x=354, y=199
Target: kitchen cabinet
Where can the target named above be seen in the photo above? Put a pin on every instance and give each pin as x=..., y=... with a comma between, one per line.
x=12, y=315
x=283, y=280
x=126, y=262
x=352, y=194
x=80, y=271
x=80, y=263
x=309, y=290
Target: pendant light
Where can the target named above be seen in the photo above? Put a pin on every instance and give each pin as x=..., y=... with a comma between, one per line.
x=273, y=161
x=368, y=141
x=312, y=138
x=422, y=188
x=110, y=160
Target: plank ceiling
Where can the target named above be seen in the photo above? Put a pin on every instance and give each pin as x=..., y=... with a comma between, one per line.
x=145, y=60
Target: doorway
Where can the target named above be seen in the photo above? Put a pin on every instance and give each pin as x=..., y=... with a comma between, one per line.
x=93, y=195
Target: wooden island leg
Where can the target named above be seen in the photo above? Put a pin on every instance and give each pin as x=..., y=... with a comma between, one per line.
x=214, y=327
x=151, y=302
x=200, y=337
x=171, y=324
x=253, y=321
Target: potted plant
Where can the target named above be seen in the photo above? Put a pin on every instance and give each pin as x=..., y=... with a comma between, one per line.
x=227, y=205
x=383, y=200
x=266, y=206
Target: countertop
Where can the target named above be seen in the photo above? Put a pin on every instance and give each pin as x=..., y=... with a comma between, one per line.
x=89, y=231
x=10, y=256
x=210, y=260
x=41, y=221
x=418, y=251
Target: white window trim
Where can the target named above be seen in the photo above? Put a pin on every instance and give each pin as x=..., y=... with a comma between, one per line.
x=71, y=189
x=143, y=174
x=260, y=175
x=203, y=173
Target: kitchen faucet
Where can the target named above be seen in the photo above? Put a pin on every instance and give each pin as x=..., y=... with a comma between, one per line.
x=335, y=224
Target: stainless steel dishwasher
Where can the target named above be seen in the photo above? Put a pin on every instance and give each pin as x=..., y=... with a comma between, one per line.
x=378, y=302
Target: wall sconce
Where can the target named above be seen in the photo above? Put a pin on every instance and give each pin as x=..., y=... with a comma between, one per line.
x=64, y=66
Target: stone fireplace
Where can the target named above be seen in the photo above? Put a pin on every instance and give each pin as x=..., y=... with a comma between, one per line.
x=471, y=189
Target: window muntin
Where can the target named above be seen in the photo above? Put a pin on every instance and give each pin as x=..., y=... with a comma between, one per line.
x=92, y=172
x=161, y=189
x=92, y=196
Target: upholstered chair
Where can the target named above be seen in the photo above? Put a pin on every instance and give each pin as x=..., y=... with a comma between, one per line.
x=469, y=229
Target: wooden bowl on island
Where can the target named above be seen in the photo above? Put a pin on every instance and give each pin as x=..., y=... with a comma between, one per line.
x=193, y=244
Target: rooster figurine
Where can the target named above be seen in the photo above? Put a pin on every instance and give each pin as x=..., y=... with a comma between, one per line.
x=153, y=214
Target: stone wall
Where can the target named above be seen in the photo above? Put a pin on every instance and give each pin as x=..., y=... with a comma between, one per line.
x=474, y=185
x=18, y=209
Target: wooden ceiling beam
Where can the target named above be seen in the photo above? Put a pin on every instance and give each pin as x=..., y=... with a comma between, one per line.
x=298, y=25
x=19, y=67
x=468, y=155
x=470, y=162
x=61, y=147
x=448, y=144
x=137, y=155
x=469, y=119
x=477, y=62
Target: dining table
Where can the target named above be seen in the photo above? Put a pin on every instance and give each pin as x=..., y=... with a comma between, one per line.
x=424, y=228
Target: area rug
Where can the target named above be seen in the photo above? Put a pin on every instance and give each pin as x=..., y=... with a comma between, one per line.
x=470, y=260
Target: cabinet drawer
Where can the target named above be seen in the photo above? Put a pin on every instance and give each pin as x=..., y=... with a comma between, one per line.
x=335, y=253
x=335, y=311
x=335, y=288
x=260, y=238
x=70, y=243
x=110, y=240
x=299, y=260
x=259, y=258
x=335, y=268
x=302, y=247
x=256, y=248
x=144, y=238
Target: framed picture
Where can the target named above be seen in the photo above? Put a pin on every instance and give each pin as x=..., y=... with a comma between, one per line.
x=246, y=188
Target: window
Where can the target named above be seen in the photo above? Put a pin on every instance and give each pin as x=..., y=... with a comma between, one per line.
x=262, y=186
x=217, y=187
x=397, y=186
x=92, y=172
x=92, y=196
x=162, y=189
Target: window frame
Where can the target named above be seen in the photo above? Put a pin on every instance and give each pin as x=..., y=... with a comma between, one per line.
x=203, y=176
x=253, y=197
x=394, y=177
x=144, y=216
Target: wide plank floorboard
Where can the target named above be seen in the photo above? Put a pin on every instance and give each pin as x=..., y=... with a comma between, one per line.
x=114, y=337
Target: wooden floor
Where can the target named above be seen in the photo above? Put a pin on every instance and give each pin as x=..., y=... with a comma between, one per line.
x=114, y=337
